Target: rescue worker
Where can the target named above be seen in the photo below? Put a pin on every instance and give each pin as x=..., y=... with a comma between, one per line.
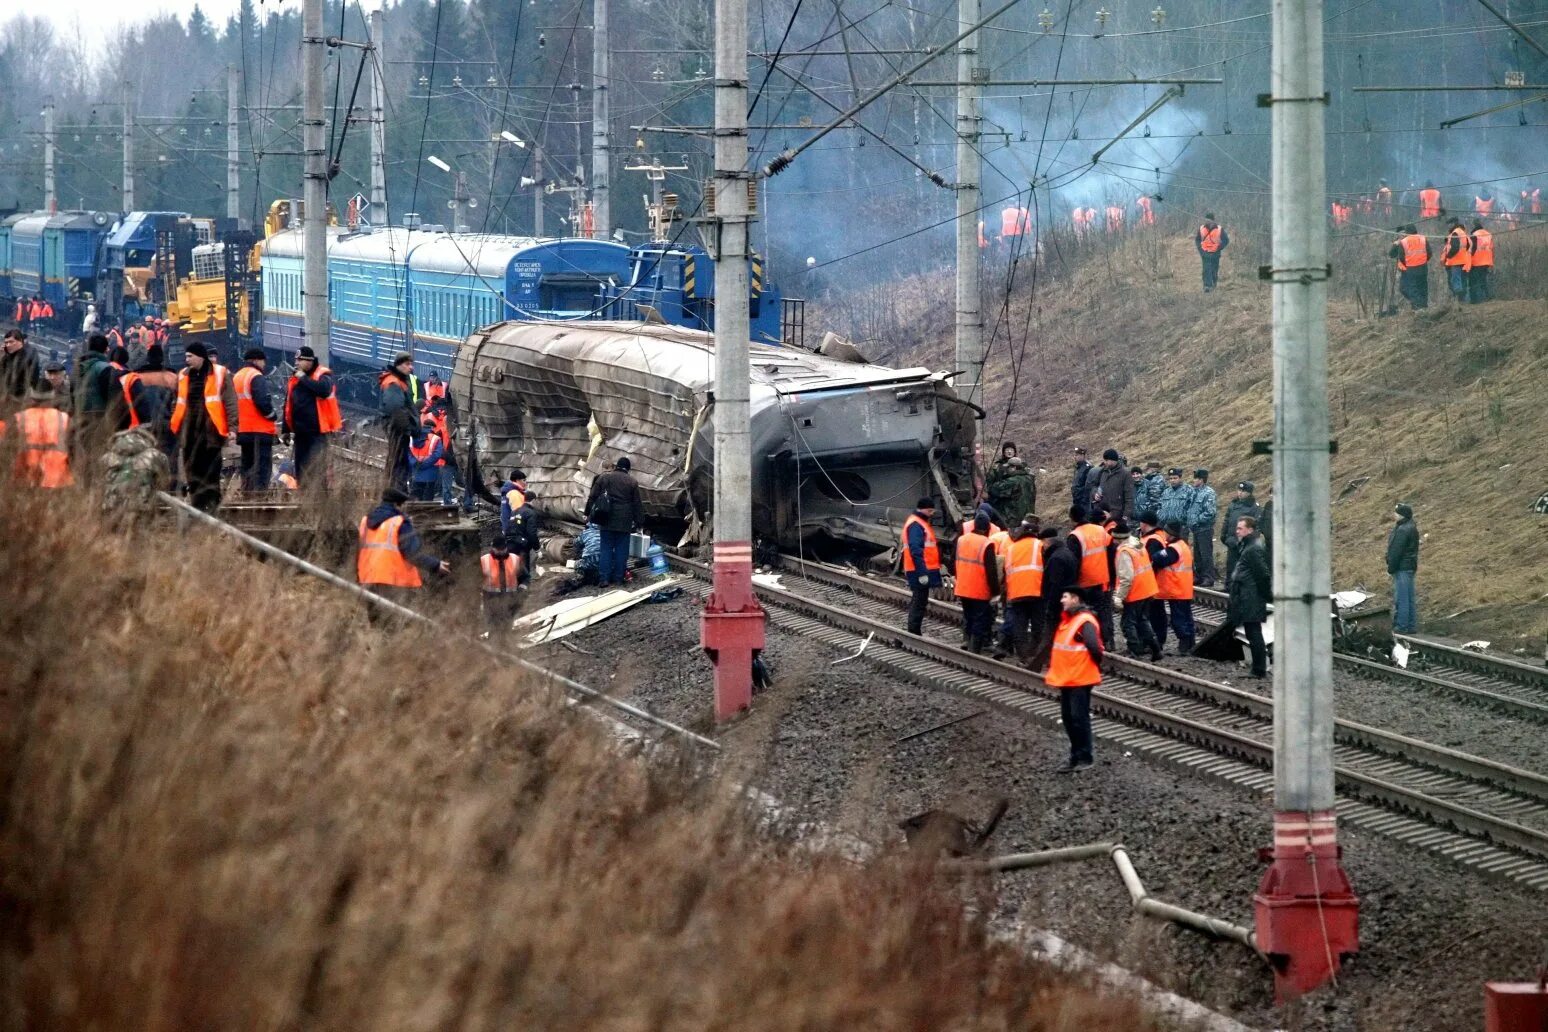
x=921, y=556
x=1081, y=218
x=204, y=417
x=513, y=496
x=400, y=414
x=1341, y=214
x=18, y=367
x=614, y=505
x=978, y=582
x=1015, y=222
x=1024, y=607
x=1403, y=566
x=1175, y=499
x=1075, y=667
x=149, y=391
x=500, y=579
x=1531, y=202
x=255, y=421
x=519, y=523
x=1088, y=542
x=1147, y=214
x=1115, y=218
x=1250, y=591
x=1429, y=203
x=1082, y=481
x=116, y=341
x=1242, y=504
x=1412, y=254
x=1383, y=199
x=1133, y=590
x=1114, y=485
x=40, y=435
x=1457, y=257
x=312, y=415
x=112, y=376
x=92, y=398
x=1148, y=489
x=1200, y=527
x=391, y=556
x=1478, y=287
x=1483, y=202
x=426, y=457
x=1210, y=240
x=1173, y=560
x=437, y=414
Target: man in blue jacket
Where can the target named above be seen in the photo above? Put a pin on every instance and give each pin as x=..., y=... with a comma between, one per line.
x=1200, y=528
x=921, y=562
x=426, y=456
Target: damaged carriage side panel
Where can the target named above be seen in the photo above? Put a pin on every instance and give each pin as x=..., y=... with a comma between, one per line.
x=840, y=450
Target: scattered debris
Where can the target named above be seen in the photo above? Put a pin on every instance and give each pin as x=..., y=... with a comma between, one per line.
x=577, y=613
x=1349, y=599
x=769, y=580
x=1475, y=646
x=1400, y=654
x=944, y=833
x=938, y=727
x=858, y=652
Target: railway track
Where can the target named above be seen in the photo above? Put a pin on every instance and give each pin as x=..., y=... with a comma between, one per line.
x=1478, y=812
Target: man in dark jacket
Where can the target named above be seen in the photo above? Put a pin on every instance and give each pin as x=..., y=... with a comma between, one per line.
x=519, y=521
x=307, y=388
x=1244, y=504
x=400, y=415
x=200, y=438
x=151, y=388
x=918, y=570
x=1250, y=591
x=91, y=388
x=1403, y=564
x=1081, y=481
x=1114, y=487
x=18, y=367
x=1061, y=568
x=614, y=506
x=1149, y=489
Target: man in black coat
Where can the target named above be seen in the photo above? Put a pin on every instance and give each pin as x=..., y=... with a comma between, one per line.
x=18, y=367
x=1402, y=565
x=1082, y=481
x=1250, y=591
x=614, y=506
x=1061, y=568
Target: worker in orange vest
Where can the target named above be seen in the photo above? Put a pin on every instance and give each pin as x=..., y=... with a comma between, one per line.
x=1172, y=559
x=256, y=427
x=501, y=584
x=40, y=434
x=1075, y=667
x=1457, y=256
x=1478, y=288
x=204, y=418
x=1147, y=214
x=312, y=414
x=1089, y=541
x=1210, y=240
x=1384, y=199
x=977, y=582
x=1024, y=607
x=1115, y=218
x=921, y=556
x=1430, y=202
x=1133, y=590
x=1412, y=254
x=1015, y=221
x=391, y=556
x=1531, y=201
x=1483, y=202
x=1341, y=214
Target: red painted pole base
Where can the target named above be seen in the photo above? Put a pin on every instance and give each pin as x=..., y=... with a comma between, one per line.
x=1516, y=1006
x=731, y=629
x=1308, y=917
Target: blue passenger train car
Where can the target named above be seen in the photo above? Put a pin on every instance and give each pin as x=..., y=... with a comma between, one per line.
x=26, y=247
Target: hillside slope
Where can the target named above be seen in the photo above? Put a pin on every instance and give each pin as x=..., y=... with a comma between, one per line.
x=1441, y=408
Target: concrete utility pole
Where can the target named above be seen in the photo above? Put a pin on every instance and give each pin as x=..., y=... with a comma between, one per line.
x=731, y=628
x=127, y=198
x=970, y=315
x=459, y=202
x=601, y=137
x=537, y=189
x=314, y=283
x=1307, y=913
x=233, y=145
x=50, y=194
x=379, y=215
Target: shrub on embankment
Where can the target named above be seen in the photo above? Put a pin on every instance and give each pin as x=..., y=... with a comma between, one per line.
x=226, y=801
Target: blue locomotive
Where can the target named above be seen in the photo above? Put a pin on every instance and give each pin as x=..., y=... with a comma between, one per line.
x=677, y=282
x=54, y=256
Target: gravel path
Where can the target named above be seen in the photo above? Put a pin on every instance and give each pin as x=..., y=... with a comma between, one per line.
x=825, y=740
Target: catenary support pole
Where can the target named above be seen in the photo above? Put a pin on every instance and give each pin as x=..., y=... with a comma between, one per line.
x=314, y=286
x=601, y=137
x=233, y=145
x=969, y=361
x=537, y=189
x=731, y=629
x=379, y=213
x=50, y=187
x=127, y=196
x=1307, y=913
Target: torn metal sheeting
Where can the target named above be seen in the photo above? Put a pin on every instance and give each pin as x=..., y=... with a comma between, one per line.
x=575, y=614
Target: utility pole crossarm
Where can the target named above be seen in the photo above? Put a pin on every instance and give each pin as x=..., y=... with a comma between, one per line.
x=1448, y=123
x=1174, y=92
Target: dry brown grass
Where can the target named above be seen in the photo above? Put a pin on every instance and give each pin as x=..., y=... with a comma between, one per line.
x=226, y=802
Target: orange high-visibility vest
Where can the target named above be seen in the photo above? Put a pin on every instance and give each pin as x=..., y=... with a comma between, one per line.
x=329, y=418
x=288, y=482
x=379, y=561
x=932, y=551
x=1483, y=207
x=983, y=241
x=1209, y=239
x=1024, y=568
x=1147, y=214
x=1414, y=252
x=214, y=380
x=1176, y=581
x=249, y=419
x=434, y=391
x=1461, y=250
x=1532, y=200
x=1070, y=665
x=1429, y=203
x=973, y=552
x=421, y=452
x=1340, y=214
x=1483, y=249
x=1144, y=584
x=500, y=574
x=1114, y=218
x=1093, y=555
x=42, y=458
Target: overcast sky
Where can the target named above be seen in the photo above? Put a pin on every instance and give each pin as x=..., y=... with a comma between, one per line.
x=98, y=17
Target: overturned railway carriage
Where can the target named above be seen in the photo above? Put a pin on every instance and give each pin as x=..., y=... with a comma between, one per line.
x=840, y=451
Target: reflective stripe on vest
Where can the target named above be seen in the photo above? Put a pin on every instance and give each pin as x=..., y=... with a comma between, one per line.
x=380, y=561
x=1070, y=664
x=931, y=551
x=1093, y=555
x=1143, y=585
x=421, y=454
x=1024, y=569
x=1483, y=249
x=500, y=575
x=1209, y=239
x=249, y=419
x=972, y=577
x=214, y=380
x=1413, y=251
x=1175, y=582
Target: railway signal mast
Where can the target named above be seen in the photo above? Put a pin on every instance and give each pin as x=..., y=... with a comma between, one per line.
x=1307, y=912
x=732, y=627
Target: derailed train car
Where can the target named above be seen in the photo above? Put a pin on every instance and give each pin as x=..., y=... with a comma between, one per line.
x=841, y=451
